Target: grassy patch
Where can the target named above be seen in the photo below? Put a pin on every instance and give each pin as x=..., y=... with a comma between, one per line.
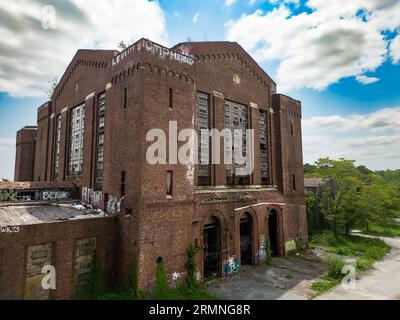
x=354, y=246
x=390, y=230
x=366, y=250
x=322, y=286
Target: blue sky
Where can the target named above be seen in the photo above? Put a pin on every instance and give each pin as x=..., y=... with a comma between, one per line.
x=340, y=58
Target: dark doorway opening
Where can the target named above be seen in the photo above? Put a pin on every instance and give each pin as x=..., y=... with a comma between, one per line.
x=246, y=240
x=212, y=247
x=273, y=233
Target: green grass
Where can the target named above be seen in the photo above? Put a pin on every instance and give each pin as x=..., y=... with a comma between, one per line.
x=323, y=285
x=365, y=250
x=353, y=246
x=390, y=230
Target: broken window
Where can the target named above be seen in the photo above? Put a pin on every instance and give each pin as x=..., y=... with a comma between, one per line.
x=236, y=117
x=101, y=108
x=75, y=160
x=264, y=149
x=203, y=123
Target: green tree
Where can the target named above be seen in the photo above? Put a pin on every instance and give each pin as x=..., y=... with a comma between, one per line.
x=340, y=199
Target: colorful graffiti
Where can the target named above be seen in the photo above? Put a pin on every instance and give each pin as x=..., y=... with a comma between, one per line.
x=262, y=253
x=231, y=265
x=54, y=195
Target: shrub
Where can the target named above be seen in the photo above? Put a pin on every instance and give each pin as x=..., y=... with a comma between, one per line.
x=335, y=265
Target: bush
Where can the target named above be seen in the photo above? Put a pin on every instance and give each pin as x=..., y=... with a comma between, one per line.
x=335, y=265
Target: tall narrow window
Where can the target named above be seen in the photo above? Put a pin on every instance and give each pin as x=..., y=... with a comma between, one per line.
x=101, y=108
x=125, y=98
x=291, y=127
x=203, y=123
x=57, y=147
x=169, y=183
x=77, y=126
x=123, y=176
x=294, y=182
x=236, y=117
x=264, y=154
x=170, y=99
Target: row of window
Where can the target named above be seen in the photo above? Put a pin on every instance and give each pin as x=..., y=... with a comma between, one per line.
x=236, y=117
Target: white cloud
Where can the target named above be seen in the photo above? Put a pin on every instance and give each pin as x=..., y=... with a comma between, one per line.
x=366, y=80
x=229, y=3
x=7, y=158
x=196, y=17
x=371, y=139
x=31, y=55
x=337, y=39
x=395, y=49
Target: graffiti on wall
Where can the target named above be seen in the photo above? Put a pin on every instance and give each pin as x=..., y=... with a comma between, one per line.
x=114, y=204
x=262, y=253
x=183, y=56
x=230, y=265
x=8, y=195
x=290, y=246
x=54, y=195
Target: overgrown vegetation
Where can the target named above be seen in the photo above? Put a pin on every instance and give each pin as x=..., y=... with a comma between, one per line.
x=268, y=253
x=365, y=250
x=187, y=288
x=355, y=197
x=334, y=265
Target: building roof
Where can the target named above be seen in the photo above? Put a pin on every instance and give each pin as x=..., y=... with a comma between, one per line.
x=20, y=214
x=313, y=182
x=36, y=185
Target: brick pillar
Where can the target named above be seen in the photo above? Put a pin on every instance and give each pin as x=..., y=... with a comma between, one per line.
x=219, y=123
x=254, y=124
x=88, y=155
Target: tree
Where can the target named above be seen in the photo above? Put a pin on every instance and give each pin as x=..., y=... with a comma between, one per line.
x=52, y=86
x=122, y=45
x=339, y=206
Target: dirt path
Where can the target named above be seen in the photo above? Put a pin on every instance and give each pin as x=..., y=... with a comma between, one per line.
x=380, y=283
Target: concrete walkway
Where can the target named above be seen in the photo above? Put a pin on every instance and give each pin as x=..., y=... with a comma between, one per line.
x=380, y=283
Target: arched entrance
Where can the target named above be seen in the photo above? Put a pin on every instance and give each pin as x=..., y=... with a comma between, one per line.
x=246, y=239
x=273, y=232
x=212, y=247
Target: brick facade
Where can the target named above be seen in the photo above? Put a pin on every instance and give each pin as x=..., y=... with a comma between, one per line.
x=151, y=224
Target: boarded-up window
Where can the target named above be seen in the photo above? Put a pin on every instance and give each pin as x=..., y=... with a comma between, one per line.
x=37, y=257
x=85, y=254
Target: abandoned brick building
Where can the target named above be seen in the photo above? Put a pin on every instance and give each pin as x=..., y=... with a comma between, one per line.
x=93, y=133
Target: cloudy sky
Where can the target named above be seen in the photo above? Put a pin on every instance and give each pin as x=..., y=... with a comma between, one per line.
x=340, y=58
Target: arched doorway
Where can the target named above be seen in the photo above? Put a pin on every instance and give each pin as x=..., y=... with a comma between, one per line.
x=212, y=247
x=246, y=239
x=273, y=232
